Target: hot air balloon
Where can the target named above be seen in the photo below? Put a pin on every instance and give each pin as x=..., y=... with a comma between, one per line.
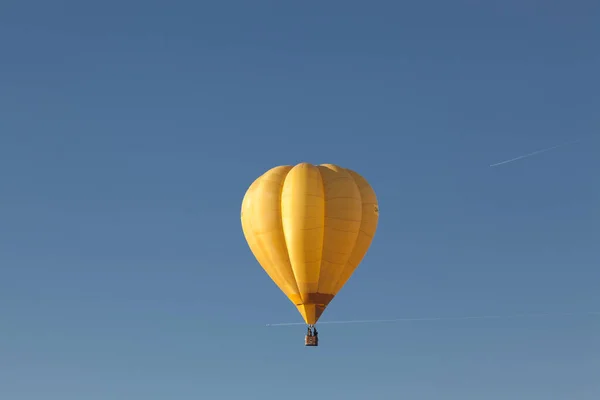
x=309, y=227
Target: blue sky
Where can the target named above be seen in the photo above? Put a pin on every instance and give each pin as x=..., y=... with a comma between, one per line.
x=129, y=132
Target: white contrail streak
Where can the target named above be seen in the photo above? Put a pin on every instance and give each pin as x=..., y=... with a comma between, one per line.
x=534, y=153
x=374, y=321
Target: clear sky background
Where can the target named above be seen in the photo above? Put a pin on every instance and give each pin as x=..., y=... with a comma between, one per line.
x=130, y=130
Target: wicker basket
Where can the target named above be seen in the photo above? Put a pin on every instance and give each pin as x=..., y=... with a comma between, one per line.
x=311, y=340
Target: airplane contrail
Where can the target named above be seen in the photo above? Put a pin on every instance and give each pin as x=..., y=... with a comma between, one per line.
x=374, y=321
x=534, y=153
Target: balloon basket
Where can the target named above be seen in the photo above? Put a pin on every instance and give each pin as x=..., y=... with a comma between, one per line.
x=311, y=341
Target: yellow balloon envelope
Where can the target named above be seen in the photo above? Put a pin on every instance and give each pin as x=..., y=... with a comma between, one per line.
x=309, y=227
